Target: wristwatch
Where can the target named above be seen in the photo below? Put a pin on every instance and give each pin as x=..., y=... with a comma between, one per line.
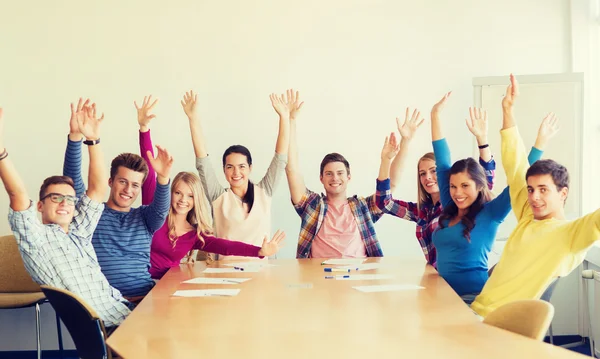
x=91, y=142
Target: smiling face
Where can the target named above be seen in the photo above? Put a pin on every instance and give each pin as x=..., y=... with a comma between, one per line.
x=125, y=187
x=57, y=213
x=428, y=176
x=463, y=190
x=335, y=179
x=182, y=198
x=237, y=170
x=545, y=199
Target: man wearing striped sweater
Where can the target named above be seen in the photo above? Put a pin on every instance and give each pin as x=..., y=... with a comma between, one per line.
x=124, y=234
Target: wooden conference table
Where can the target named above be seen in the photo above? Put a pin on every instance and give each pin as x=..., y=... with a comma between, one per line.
x=292, y=311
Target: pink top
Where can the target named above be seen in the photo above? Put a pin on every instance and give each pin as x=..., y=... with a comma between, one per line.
x=163, y=256
x=338, y=236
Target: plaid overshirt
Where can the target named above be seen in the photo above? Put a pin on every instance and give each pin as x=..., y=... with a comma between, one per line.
x=313, y=207
x=427, y=216
x=68, y=260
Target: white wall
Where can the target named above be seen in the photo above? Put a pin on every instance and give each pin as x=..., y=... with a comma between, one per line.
x=358, y=64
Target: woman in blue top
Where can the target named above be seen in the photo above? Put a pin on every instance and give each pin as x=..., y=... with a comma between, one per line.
x=470, y=217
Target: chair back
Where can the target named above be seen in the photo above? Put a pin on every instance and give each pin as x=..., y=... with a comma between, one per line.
x=85, y=326
x=14, y=278
x=547, y=295
x=530, y=318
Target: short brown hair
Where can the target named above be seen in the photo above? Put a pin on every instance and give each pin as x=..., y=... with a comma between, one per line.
x=55, y=180
x=558, y=172
x=130, y=161
x=334, y=157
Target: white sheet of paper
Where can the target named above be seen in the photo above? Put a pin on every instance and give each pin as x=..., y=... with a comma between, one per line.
x=387, y=288
x=365, y=266
x=343, y=261
x=365, y=277
x=207, y=293
x=255, y=264
x=231, y=270
x=206, y=280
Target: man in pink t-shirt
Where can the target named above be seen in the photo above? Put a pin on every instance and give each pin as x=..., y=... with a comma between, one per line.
x=333, y=225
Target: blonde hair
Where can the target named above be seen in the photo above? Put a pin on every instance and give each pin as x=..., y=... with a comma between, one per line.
x=423, y=196
x=199, y=216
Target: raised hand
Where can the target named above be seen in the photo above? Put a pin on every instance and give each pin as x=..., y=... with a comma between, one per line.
x=162, y=162
x=409, y=127
x=548, y=128
x=390, y=147
x=279, y=105
x=143, y=112
x=512, y=92
x=286, y=105
x=295, y=104
x=478, y=124
x=189, y=104
x=73, y=126
x=88, y=122
x=272, y=247
x=439, y=106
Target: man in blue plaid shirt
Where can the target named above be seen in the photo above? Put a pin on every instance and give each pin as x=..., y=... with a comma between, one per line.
x=57, y=251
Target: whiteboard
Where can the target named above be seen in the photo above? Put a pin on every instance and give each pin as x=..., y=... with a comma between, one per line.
x=539, y=95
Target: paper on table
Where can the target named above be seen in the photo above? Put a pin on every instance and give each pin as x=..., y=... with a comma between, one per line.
x=366, y=266
x=206, y=280
x=342, y=261
x=387, y=288
x=207, y=293
x=231, y=270
x=255, y=264
x=365, y=277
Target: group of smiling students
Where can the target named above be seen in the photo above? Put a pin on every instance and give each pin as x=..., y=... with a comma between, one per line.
x=111, y=254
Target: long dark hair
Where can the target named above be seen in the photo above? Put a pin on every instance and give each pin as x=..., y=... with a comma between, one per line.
x=249, y=196
x=476, y=173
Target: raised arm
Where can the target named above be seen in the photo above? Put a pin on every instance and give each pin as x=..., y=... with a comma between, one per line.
x=89, y=126
x=189, y=107
x=144, y=118
x=442, y=151
x=407, y=131
x=292, y=170
x=15, y=188
x=383, y=194
x=72, y=163
x=282, y=105
x=390, y=149
x=514, y=156
x=478, y=126
x=436, y=128
x=156, y=212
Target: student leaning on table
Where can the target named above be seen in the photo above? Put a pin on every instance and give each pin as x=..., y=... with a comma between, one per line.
x=543, y=245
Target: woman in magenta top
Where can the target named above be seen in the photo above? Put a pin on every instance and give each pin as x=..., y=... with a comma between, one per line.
x=188, y=224
x=187, y=228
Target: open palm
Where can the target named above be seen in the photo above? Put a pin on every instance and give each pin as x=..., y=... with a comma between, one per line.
x=411, y=124
x=162, y=162
x=549, y=127
x=189, y=104
x=477, y=124
x=88, y=122
x=390, y=147
x=143, y=112
x=272, y=247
